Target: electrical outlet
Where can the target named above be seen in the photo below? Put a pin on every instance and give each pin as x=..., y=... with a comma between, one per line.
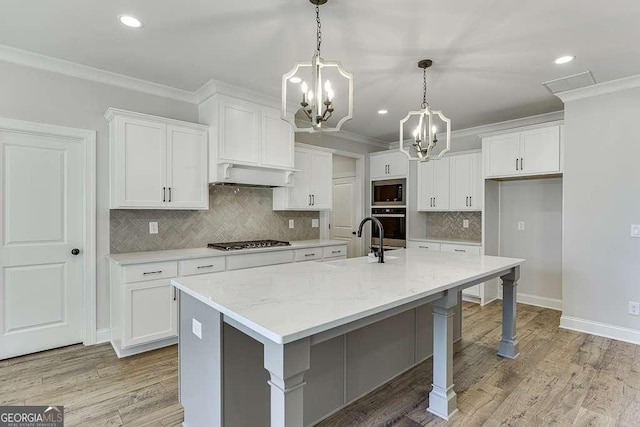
x=291, y=223
x=153, y=228
x=634, y=308
x=635, y=231
x=520, y=225
x=196, y=328
x=315, y=223
x=465, y=223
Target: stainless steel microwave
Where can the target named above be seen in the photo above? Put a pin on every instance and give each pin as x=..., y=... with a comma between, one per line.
x=390, y=192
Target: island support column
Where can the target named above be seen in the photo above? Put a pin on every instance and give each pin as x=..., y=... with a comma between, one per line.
x=508, y=345
x=287, y=364
x=443, y=401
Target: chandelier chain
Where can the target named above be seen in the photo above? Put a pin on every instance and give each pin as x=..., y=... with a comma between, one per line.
x=424, y=89
x=319, y=30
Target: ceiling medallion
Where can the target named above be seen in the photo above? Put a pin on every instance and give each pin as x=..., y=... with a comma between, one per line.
x=425, y=126
x=316, y=92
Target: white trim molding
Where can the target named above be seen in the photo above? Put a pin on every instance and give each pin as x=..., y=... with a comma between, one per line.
x=604, y=88
x=88, y=139
x=103, y=335
x=600, y=329
x=544, y=302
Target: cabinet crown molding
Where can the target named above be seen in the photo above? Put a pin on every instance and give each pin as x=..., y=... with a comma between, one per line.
x=116, y=112
x=522, y=128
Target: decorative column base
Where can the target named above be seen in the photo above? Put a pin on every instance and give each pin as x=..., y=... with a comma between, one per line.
x=443, y=403
x=508, y=345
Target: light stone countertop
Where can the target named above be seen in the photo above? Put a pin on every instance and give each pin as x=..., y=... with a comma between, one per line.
x=453, y=241
x=178, y=254
x=288, y=302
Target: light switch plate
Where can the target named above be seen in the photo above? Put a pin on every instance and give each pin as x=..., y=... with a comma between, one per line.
x=153, y=228
x=196, y=328
x=315, y=222
x=465, y=223
x=520, y=225
x=635, y=231
x=291, y=223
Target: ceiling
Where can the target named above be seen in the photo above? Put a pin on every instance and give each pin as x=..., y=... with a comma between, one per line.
x=490, y=56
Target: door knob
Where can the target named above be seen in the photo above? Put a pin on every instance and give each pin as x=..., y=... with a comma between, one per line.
x=75, y=251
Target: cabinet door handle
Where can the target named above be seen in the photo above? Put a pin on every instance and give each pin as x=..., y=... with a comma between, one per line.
x=174, y=293
x=521, y=163
x=470, y=201
x=460, y=250
x=517, y=164
x=205, y=266
x=169, y=194
x=309, y=203
x=164, y=194
x=313, y=199
x=151, y=272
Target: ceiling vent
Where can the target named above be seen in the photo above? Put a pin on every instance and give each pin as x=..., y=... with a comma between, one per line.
x=576, y=81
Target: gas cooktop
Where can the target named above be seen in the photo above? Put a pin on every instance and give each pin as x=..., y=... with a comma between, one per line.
x=250, y=244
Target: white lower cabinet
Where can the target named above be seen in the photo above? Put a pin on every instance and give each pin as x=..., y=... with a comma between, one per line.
x=482, y=293
x=144, y=304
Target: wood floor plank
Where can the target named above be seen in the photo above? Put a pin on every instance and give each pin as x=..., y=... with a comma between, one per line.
x=592, y=419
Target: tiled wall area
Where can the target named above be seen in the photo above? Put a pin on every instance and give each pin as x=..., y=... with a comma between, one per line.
x=235, y=213
x=448, y=225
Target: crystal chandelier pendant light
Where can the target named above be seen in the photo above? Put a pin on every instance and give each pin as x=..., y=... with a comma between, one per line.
x=424, y=136
x=313, y=109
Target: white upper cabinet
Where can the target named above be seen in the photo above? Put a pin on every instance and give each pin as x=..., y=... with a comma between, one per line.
x=250, y=143
x=388, y=165
x=156, y=163
x=466, y=182
x=531, y=152
x=433, y=185
x=312, y=182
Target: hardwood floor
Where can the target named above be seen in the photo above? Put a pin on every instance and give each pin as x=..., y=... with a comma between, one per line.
x=561, y=378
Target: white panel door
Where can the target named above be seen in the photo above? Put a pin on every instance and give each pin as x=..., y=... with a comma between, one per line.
x=442, y=178
x=41, y=221
x=460, y=182
x=321, y=180
x=426, y=186
x=142, y=163
x=540, y=150
x=398, y=164
x=187, y=181
x=150, y=312
x=299, y=196
x=343, y=215
x=378, y=167
x=239, y=133
x=477, y=182
x=277, y=140
x=501, y=155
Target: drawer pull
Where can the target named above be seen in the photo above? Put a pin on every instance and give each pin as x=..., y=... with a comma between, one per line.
x=336, y=252
x=205, y=266
x=309, y=254
x=152, y=272
x=460, y=250
x=423, y=247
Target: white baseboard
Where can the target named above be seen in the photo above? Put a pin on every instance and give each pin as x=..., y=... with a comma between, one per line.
x=601, y=329
x=544, y=302
x=103, y=335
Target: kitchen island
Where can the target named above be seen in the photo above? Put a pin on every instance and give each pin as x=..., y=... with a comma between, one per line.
x=304, y=316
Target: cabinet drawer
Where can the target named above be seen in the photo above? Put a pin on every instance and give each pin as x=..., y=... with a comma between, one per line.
x=472, y=250
x=149, y=271
x=424, y=245
x=308, y=254
x=237, y=262
x=201, y=266
x=334, y=252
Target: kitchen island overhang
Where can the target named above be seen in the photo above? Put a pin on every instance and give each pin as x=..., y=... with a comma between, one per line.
x=290, y=308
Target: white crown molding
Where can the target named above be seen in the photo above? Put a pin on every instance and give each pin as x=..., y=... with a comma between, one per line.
x=509, y=124
x=350, y=136
x=600, y=329
x=111, y=112
x=604, y=88
x=60, y=66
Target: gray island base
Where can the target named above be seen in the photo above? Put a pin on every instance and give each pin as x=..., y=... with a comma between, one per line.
x=289, y=345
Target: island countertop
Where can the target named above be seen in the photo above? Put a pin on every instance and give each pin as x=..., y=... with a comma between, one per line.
x=285, y=303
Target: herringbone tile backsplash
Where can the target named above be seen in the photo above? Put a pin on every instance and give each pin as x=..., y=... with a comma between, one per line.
x=448, y=225
x=235, y=213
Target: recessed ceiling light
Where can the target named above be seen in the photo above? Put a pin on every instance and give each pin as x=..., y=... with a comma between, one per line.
x=382, y=111
x=564, y=59
x=295, y=79
x=130, y=21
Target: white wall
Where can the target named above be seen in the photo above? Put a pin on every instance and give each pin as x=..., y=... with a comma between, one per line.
x=45, y=97
x=343, y=166
x=538, y=203
x=601, y=199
